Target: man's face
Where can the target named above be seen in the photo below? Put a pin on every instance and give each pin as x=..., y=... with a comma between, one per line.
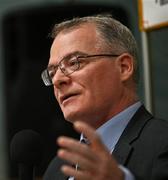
x=91, y=93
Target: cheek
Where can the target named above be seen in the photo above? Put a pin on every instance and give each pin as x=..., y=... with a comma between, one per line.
x=55, y=92
x=105, y=87
x=94, y=91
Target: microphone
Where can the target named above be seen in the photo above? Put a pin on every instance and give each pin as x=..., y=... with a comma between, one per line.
x=26, y=149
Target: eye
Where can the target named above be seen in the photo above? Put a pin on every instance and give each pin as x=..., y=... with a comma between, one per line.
x=51, y=74
x=51, y=71
x=72, y=62
x=70, y=65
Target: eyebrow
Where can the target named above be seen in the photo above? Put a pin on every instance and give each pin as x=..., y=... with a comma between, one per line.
x=67, y=56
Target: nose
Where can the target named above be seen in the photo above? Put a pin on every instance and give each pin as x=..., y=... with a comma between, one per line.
x=60, y=79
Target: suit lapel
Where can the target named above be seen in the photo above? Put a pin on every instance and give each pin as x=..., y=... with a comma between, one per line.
x=131, y=133
x=121, y=152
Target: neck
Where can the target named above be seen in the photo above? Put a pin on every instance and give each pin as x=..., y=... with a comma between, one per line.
x=116, y=109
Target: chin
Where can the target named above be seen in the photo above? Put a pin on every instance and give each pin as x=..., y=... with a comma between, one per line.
x=76, y=112
x=73, y=116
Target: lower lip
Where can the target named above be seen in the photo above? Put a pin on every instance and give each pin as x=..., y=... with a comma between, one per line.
x=68, y=100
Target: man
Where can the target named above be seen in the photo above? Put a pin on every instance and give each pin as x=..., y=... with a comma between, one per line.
x=93, y=69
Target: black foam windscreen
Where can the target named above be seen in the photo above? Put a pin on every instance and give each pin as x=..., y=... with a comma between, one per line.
x=27, y=147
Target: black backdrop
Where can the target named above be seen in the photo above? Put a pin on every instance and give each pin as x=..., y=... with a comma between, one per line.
x=26, y=45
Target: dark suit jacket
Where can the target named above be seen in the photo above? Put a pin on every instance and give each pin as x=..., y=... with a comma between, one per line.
x=142, y=148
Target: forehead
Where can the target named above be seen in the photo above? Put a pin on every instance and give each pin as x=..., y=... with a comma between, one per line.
x=83, y=38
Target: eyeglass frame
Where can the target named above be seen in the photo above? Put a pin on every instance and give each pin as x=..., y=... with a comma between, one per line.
x=47, y=79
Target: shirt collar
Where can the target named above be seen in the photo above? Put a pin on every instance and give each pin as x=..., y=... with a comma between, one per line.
x=111, y=131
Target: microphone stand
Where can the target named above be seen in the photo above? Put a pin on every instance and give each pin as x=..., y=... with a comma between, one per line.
x=26, y=172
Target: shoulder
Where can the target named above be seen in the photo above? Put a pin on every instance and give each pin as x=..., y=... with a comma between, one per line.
x=153, y=136
x=157, y=129
x=144, y=122
x=145, y=129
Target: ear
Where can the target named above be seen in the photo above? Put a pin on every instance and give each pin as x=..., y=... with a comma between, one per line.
x=126, y=66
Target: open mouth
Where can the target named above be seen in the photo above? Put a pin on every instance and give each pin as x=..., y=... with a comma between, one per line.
x=67, y=96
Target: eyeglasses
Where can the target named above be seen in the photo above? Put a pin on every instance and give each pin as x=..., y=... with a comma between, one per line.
x=68, y=66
